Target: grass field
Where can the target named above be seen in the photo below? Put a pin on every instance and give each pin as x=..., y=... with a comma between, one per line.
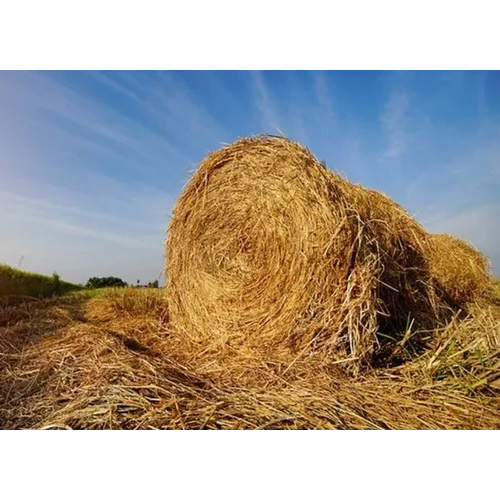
x=109, y=359
x=15, y=283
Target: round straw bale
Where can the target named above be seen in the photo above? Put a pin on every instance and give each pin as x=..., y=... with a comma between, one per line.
x=269, y=247
x=460, y=271
x=400, y=244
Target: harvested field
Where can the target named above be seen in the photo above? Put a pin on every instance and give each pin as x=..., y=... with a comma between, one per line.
x=112, y=361
x=295, y=300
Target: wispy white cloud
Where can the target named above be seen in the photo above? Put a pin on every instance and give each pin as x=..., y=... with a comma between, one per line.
x=47, y=111
x=461, y=197
x=172, y=106
x=76, y=172
x=463, y=181
x=117, y=86
x=323, y=95
x=303, y=109
x=145, y=241
x=90, y=167
x=265, y=105
x=10, y=201
x=394, y=123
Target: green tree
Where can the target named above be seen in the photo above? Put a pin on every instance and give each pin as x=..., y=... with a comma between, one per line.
x=109, y=281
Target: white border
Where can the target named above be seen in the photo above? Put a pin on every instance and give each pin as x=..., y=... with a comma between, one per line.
x=105, y=34
x=244, y=464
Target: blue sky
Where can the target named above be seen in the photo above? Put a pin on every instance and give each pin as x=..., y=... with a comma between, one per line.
x=91, y=163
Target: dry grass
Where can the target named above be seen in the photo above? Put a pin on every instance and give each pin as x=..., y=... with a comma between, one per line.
x=460, y=271
x=112, y=361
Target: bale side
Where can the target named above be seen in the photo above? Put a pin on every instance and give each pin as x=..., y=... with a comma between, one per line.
x=405, y=289
x=460, y=271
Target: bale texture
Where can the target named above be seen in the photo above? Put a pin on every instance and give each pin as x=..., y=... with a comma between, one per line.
x=460, y=271
x=268, y=247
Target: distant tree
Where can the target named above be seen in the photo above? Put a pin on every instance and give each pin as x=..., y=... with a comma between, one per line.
x=109, y=281
x=56, y=279
x=138, y=282
x=94, y=283
x=153, y=284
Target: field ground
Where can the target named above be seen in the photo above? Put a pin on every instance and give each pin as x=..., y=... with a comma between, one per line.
x=109, y=359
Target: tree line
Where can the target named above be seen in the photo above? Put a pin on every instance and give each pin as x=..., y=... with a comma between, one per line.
x=113, y=281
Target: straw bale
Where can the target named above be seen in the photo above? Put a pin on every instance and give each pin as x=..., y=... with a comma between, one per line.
x=460, y=271
x=268, y=247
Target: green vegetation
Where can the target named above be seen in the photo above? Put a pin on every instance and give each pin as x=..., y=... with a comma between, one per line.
x=109, y=281
x=14, y=282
